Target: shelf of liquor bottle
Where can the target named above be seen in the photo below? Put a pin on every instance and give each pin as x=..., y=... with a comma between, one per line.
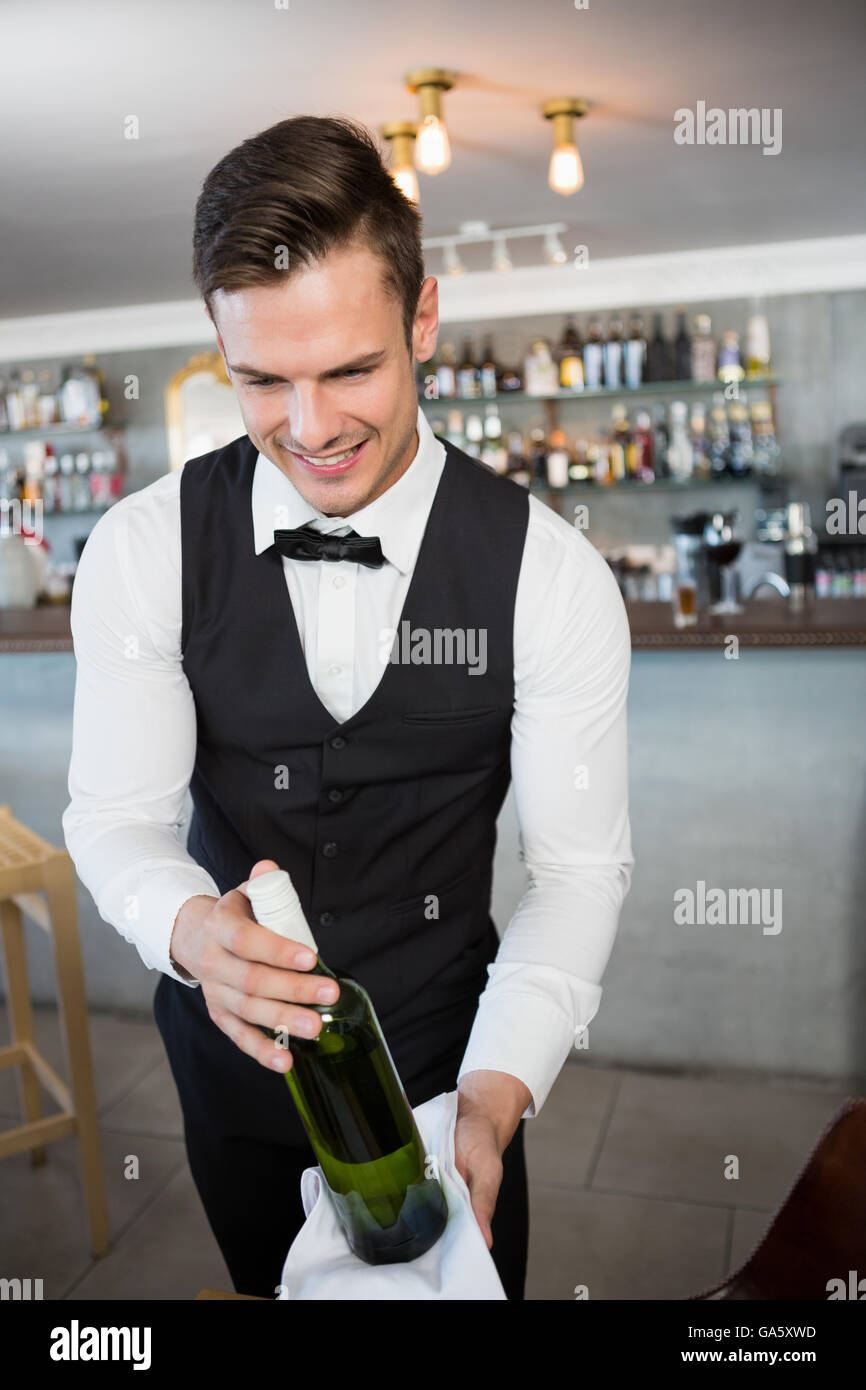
x=63, y=428
x=614, y=393
x=764, y=622
x=586, y=485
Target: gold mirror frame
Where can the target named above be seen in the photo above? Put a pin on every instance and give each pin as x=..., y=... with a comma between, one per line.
x=203, y=363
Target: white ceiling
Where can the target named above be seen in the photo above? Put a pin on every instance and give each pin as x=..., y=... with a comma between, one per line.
x=90, y=219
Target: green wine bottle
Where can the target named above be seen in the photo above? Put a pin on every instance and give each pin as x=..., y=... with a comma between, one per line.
x=354, y=1109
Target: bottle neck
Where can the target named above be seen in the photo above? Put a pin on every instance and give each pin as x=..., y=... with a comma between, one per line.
x=320, y=968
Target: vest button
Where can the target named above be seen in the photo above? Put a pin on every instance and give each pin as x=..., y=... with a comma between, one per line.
x=325, y=919
x=330, y=849
x=335, y=794
x=338, y=742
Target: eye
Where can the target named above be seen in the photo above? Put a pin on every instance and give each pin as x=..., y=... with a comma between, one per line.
x=262, y=381
x=357, y=371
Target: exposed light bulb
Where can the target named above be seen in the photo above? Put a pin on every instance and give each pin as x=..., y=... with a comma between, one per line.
x=407, y=181
x=566, y=169
x=432, y=146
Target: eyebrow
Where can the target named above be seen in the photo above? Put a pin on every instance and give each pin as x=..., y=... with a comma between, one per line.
x=369, y=359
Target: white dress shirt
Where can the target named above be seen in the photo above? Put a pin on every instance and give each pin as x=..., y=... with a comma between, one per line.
x=134, y=735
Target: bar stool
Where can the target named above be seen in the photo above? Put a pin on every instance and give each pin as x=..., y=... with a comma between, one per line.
x=30, y=865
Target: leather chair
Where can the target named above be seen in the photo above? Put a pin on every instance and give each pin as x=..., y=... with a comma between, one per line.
x=819, y=1233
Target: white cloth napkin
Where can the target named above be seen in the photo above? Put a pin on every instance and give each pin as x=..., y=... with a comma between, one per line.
x=320, y=1264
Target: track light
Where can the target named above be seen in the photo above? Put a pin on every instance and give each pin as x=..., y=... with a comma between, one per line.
x=501, y=258
x=453, y=263
x=554, y=249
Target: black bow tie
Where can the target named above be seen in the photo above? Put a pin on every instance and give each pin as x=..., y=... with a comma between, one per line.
x=306, y=543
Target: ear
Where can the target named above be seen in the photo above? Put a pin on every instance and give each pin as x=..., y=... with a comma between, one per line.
x=426, y=326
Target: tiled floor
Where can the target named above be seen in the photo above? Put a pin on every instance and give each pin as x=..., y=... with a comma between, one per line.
x=627, y=1179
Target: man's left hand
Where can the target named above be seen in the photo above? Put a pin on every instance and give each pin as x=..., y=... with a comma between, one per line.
x=489, y=1107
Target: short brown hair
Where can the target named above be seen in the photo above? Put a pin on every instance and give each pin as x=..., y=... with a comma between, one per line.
x=311, y=184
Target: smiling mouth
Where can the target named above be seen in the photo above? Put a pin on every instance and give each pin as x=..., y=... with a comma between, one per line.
x=333, y=463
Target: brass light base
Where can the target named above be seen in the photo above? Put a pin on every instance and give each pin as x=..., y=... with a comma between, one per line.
x=562, y=111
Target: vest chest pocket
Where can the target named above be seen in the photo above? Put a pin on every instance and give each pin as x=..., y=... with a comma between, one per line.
x=449, y=717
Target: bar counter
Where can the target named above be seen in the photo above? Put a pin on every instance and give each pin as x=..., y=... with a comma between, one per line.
x=769, y=622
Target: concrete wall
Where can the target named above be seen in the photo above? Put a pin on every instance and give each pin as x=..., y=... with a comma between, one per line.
x=747, y=773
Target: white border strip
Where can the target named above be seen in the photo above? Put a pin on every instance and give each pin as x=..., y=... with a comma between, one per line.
x=678, y=277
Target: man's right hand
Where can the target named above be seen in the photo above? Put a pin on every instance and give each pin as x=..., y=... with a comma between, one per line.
x=248, y=974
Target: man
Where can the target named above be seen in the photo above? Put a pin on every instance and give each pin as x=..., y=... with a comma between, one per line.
x=349, y=702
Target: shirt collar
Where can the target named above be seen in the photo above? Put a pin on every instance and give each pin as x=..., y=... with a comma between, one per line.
x=398, y=517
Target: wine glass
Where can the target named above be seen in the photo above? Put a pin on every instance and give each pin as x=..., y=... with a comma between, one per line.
x=723, y=548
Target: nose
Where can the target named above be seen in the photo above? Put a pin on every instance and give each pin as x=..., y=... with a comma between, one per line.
x=315, y=426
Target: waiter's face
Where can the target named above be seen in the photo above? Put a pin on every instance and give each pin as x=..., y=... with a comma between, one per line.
x=321, y=369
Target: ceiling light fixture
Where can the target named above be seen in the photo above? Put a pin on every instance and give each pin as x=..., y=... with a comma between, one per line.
x=501, y=258
x=401, y=137
x=453, y=263
x=432, y=147
x=554, y=249
x=566, y=170
x=477, y=233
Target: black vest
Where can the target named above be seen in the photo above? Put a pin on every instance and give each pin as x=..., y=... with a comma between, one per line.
x=386, y=822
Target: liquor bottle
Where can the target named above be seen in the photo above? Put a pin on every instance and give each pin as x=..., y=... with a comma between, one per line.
x=517, y=466
x=95, y=373
x=14, y=402
x=34, y=471
x=635, y=353
x=52, y=479
x=661, y=440
x=537, y=455
x=489, y=370
x=474, y=435
x=29, y=399
x=620, y=439
x=354, y=1109
x=493, y=451
x=682, y=350
x=660, y=355
x=730, y=363
x=65, y=496
x=81, y=482
x=468, y=375
x=79, y=398
x=681, y=456
x=579, y=470
x=644, y=444
x=541, y=375
x=767, y=453
x=742, y=452
x=720, y=439
x=700, y=441
x=570, y=357
x=510, y=379
x=613, y=355
x=558, y=460
x=703, y=350
x=758, y=347
x=47, y=401
x=593, y=357
x=446, y=373
x=455, y=434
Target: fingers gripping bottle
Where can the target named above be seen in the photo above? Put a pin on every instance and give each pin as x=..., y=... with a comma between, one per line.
x=354, y=1109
